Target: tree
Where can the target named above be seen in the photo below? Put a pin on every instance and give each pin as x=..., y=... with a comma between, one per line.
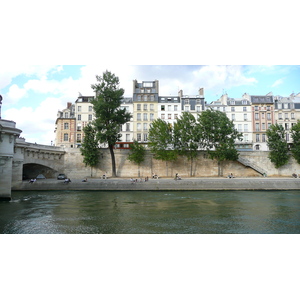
x=277, y=144
x=185, y=137
x=161, y=141
x=109, y=115
x=295, y=134
x=217, y=135
x=89, y=147
x=137, y=154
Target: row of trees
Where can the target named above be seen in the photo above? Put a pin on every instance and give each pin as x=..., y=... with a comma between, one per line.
x=211, y=131
x=279, y=148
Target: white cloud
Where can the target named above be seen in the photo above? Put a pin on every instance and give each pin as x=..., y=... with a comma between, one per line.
x=277, y=82
x=15, y=93
x=38, y=124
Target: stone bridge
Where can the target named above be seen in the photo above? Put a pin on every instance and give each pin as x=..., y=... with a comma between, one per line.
x=21, y=160
x=31, y=160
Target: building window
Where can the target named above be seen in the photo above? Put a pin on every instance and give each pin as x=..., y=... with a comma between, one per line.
x=263, y=138
x=151, y=117
x=280, y=116
x=186, y=108
x=90, y=117
x=127, y=126
x=292, y=115
x=145, y=117
x=255, y=107
x=176, y=116
x=256, y=116
x=162, y=116
x=162, y=108
x=263, y=126
x=186, y=101
x=78, y=137
x=79, y=108
x=245, y=127
x=286, y=115
x=139, y=117
x=198, y=108
x=256, y=126
x=239, y=127
x=66, y=125
x=145, y=97
x=145, y=107
x=232, y=108
x=127, y=137
x=145, y=126
x=169, y=107
x=66, y=137
x=66, y=115
x=175, y=107
x=246, y=137
x=169, y=116
x=152, y=97
x=151, y=106
x=244, y=108
x=268, y=116
x=245, y=117
x=138, y=106
x=257, y=138
x=233, y=117
x=90, y=108
x=139, y=137
x=138, y=127
x=145, y=137
x=79, y=117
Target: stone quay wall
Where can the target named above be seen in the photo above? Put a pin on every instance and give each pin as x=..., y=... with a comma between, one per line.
x=202, y=166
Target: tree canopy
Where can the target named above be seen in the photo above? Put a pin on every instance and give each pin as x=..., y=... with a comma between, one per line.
x=108, y=112
x=137, y=153
x=277, y=144
x=217, y=135
x=89, y=147
x=295, y=134
x=161, y=140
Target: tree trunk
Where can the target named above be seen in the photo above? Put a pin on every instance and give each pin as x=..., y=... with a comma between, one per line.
x=113, y=161
x=220, y=169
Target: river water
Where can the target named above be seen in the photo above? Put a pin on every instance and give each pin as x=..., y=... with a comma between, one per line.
x=109, y=212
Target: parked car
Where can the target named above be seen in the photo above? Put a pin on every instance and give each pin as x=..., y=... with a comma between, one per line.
x=61, y=177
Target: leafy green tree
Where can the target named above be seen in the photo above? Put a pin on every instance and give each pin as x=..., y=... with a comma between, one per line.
x=217, y=135
x=161, y=141
x=137, y=154
x=278, y=146
x=186, y=137
x=89, y=147
x=108, y=112
x=295, y=134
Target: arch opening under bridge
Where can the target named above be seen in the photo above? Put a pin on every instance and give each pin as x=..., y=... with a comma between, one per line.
x=32, y=170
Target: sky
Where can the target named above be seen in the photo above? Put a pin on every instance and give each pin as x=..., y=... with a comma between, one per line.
x=33, y=94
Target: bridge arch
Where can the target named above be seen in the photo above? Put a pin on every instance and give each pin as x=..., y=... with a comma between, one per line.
x=32, y=170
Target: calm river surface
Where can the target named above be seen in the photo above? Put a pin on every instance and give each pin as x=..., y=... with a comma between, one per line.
x=151, y=212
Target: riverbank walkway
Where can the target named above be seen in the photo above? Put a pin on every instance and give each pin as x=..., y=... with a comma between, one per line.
x=193, y=183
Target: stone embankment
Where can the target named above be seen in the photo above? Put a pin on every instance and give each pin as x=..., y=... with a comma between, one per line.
x=125, y=184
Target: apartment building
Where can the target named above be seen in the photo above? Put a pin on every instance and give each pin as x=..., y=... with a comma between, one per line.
x=287, y=112
x=238, y=110
x=194, y=104
x=65, y=127
x=263, y=116
x=83, y=114
x=145, y=108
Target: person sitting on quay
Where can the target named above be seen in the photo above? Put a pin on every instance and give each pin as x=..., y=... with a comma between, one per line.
x=177, y=177
x=84, y=180
x=32, y=180
x=67, y=180
x=230, y=175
